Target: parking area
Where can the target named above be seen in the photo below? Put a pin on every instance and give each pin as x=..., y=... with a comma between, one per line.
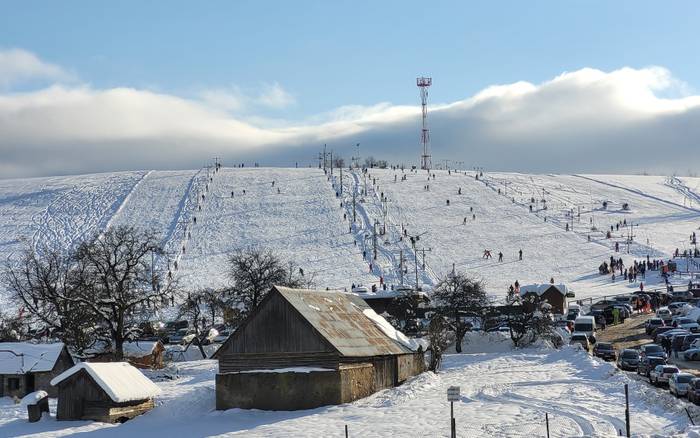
x=630, y=334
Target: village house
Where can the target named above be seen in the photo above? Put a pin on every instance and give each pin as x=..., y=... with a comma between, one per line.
x=26, y=367
x=103, y=391
x=553, y=294
x=141, y=354
x=301, y=349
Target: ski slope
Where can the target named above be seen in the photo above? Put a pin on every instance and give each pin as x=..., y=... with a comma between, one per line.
x=306, y=218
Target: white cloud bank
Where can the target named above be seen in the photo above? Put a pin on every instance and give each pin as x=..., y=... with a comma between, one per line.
x=17, y=66
x=581, y=121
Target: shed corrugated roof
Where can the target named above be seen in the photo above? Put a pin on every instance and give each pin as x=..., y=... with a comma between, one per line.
x=339, y=318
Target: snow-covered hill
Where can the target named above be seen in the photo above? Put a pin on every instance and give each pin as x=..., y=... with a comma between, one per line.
x=301, y=218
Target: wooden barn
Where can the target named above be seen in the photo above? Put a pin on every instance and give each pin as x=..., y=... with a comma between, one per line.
x=26, y=367
x=553, y=294
x=302, y=349
x=111, y=392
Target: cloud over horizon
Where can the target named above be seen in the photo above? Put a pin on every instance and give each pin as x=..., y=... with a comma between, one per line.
x=626, y=120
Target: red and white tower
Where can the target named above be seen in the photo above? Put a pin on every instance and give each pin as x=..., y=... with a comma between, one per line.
x=425, y=159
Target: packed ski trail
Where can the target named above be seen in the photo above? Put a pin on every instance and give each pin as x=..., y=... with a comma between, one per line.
x=304, y=222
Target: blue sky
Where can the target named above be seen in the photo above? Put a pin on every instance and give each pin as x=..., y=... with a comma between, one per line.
x=327, y=53
x=531, y=86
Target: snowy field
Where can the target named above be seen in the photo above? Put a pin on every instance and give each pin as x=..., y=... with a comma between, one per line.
x=503, y=394
x=301, y=219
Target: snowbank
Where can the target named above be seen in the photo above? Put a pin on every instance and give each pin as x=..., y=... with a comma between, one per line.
x=391, y=332
x=33, y=398
x=483, y=342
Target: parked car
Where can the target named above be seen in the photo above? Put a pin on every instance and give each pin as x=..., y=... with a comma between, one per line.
x=665, y=314
x=692, y=353
x=676, y=307
x=677, y=342
x=180, y=335
x=670, y=334
x=681, y=295
x=661, y=374
x=694, y=390
x=648, y=350
x=688, y=341
x=646, y=364
x=678, y=384
x=572, y=314
x=685, y=323
x=653, y=323
x=628, y=359
x=605, y=351
x=581, y=339
x=587, y=325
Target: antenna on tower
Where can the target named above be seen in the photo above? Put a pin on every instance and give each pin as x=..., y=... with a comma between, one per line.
x=425, y=159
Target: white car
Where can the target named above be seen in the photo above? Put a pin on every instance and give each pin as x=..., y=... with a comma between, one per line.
x=686, y=323
x=661, y=374
x=692, y=353
x=664, y=314
x=678, y=383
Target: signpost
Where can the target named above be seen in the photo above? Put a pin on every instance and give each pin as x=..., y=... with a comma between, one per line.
x=452, y=397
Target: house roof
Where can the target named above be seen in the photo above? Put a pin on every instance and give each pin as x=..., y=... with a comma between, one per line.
x=138, y=349
x=28, y=357
x=339, y=318
x=539, y=289
x=119, y=380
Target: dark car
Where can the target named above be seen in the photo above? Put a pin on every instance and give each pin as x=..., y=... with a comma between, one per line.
x=652, y=324
x=628, y=359
x=648, y=363
x=659, y=331
x=689, y=340
x=694, y=390
x=677, y=342
x=605, y=351
x=648, y=350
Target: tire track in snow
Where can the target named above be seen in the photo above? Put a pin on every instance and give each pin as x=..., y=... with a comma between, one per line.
x=126, y=199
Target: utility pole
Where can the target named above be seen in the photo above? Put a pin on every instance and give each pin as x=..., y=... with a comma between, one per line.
x=324, y=158
x=331, y=163
x=374, y=238
x=401, y=266
x=424, y=250
x=341, y=180
x=354, y=191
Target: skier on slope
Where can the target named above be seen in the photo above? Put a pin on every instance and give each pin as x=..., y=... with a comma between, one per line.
x=500, y=256
x=520, y=254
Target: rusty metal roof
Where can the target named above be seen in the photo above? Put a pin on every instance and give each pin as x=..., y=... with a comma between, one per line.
x=338, y=317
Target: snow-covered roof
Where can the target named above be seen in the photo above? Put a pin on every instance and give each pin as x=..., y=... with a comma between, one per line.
x=119, y=380
x=539, y=289
x=137, y=349
x=390, y=331
x=36, y=357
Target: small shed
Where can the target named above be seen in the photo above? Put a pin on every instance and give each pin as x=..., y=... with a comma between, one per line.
x=553, y=294
x=144, y=354
x=111, y=392
x=27, y=367
x=301, y=349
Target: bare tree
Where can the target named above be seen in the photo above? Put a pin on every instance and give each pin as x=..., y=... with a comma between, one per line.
x=45, y=287
x=117, y=282
x=253, y=272
x=439, y=339
x=529, y=318
x=460, y=298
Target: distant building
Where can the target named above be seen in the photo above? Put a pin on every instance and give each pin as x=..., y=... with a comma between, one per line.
x=103, y=391
x=26, y=367
x=384, y=301
x=553, y=294
x=302, y=349
x=141, y=354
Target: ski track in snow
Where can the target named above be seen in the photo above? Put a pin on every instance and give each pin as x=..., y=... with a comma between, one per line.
x=304, y=222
